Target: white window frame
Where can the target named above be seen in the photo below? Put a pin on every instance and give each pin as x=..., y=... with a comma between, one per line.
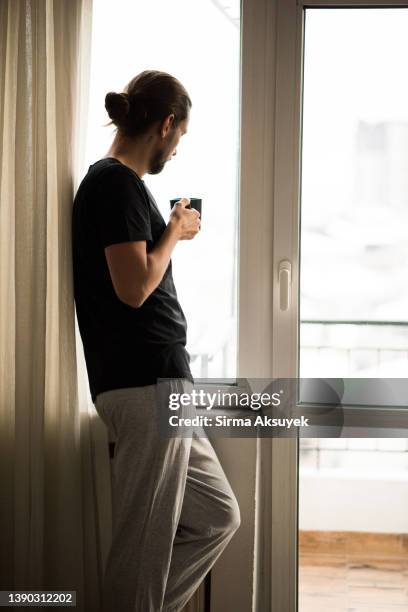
x=265, y=579
x=261, y=581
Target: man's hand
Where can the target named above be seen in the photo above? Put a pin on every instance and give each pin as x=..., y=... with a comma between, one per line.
x=186, y=221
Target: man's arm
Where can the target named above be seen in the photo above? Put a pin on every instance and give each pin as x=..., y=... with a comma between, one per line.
x=135, y=273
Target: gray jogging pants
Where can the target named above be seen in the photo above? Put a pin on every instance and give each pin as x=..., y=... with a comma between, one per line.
x=173, y=510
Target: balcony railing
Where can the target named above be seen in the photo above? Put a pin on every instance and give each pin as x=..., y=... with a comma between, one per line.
x=353, y=348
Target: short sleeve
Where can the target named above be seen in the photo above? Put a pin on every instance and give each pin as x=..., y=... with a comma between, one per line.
x=121, y=209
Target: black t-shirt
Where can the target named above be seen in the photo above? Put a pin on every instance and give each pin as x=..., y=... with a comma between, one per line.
x=123, y=346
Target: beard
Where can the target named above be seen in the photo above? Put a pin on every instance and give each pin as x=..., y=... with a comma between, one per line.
x=157, y=163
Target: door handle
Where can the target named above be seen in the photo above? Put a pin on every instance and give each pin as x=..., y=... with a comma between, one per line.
x=285, y=282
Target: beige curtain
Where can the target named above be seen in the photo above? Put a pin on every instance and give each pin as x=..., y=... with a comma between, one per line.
x=55, y=496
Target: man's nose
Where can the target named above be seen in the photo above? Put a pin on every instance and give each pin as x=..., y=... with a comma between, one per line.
x=175, y=152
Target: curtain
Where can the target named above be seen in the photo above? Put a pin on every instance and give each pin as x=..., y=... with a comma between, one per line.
x=54, y=465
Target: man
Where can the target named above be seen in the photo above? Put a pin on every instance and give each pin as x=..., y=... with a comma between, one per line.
x=173, y=508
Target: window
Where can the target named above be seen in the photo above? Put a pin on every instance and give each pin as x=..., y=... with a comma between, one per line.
x=354, y=194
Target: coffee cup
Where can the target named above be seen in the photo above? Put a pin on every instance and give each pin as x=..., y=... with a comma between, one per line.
x=194, y=203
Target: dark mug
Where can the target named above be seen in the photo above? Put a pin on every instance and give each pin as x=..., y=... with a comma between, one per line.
x=194, y=203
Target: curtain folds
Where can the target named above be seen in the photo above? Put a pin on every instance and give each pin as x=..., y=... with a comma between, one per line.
x=54, y=511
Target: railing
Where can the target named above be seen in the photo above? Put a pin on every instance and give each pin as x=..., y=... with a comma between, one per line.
x=215, y=341
x=370, y=354
x=341, y=347
x=348, y=353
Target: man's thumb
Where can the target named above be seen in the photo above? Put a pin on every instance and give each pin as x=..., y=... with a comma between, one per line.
x=183, y=202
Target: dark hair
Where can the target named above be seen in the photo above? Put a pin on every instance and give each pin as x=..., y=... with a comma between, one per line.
x=149, y=97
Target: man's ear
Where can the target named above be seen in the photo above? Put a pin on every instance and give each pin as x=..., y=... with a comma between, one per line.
x=166, y=125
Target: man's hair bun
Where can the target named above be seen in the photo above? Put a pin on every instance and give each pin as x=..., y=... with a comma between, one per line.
x=117, y=106
x=148, y=98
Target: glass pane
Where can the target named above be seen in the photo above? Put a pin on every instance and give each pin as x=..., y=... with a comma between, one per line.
x=199, y=43
x=354, y=301
x=354, y=194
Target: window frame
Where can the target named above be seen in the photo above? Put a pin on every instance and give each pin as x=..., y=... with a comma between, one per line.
x=272, y=81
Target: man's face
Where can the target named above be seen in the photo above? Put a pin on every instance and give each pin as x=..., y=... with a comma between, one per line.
x=167, y=147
